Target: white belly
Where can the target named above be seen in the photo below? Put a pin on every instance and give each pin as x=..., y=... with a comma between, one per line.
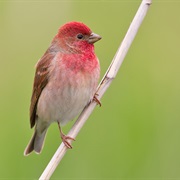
x=63, y=100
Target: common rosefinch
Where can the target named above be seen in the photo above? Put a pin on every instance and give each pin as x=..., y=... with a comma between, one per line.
x=65, y=81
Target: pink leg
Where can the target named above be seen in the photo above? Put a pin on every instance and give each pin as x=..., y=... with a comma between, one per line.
x=65, y=138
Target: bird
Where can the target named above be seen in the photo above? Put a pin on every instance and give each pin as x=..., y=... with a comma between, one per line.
x=65, y=81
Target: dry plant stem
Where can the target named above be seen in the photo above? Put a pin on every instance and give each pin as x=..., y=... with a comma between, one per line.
x=105, y=83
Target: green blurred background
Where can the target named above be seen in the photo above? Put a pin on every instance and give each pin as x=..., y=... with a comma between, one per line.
x=136, y=132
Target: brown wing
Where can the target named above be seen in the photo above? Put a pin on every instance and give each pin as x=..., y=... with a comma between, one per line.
x=40, y=81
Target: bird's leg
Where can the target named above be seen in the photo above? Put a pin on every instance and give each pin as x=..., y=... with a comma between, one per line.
x=96, y=99
x=65, y=138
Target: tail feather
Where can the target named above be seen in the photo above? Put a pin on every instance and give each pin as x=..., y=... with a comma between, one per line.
x=36, y=143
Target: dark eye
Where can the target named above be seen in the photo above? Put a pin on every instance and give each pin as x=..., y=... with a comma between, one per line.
x=80, y=36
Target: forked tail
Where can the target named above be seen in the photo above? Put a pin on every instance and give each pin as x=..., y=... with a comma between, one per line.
x=36, y=143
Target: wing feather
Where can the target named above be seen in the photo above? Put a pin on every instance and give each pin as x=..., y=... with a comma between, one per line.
x=40, y=81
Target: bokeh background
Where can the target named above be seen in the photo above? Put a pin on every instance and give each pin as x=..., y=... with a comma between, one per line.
x=136, y=132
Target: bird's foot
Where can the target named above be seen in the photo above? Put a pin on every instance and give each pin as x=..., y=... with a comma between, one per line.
x=96, y=99
x=65, y=139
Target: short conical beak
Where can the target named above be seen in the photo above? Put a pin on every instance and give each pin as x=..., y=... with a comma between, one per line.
x=93, y=38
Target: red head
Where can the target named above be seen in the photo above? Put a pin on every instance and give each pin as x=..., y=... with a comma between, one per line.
x=75, y=36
